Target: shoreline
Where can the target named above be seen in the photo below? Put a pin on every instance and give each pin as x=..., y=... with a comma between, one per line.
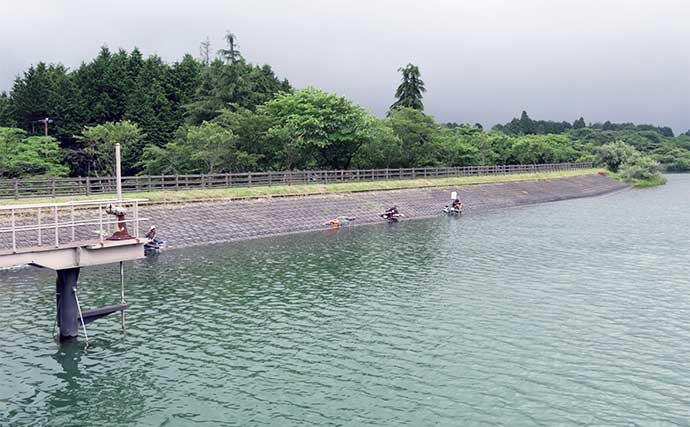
x=191, y=224
x=187, y=224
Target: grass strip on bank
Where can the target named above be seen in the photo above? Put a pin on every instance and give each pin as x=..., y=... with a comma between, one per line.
x=639, y=183
x=312, y=189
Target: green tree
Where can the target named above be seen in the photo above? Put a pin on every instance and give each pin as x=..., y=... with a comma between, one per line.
x=97, y=147
x=151, y=108
x=417, y=132
x=28, y=156
x=615, y=154
x=383, y=150
x=231, y=54
x=250, y=129
x=312, y=128
x=7, y=113
x=579, y=123
x=640, y=168
x=409, y=93
x=105, y=84
x=456, y=149
x=30, y=94
x=207, y=148
x=551, y=148
x=673, y=159
x=232, y=86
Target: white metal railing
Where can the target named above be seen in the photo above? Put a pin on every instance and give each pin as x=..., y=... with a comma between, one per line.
x=81, y=214
x=54, y=187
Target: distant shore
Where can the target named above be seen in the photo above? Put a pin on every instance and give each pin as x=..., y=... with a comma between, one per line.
x=241, y=193
x=206, y=222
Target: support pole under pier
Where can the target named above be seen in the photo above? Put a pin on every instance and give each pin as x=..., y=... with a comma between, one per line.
x=67, y=306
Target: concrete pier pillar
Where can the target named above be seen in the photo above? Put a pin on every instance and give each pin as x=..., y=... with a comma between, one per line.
x=66, y=303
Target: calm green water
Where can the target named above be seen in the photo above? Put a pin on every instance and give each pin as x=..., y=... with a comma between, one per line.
x=570, y=313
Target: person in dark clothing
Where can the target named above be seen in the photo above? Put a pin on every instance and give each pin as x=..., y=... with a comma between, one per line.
x=151, y=235
x=392, y=211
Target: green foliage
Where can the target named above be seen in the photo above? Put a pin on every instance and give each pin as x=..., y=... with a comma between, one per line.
x=417, y=133
x=526, y=126
x=7, y=113
x=97, y=147
x=207, y=148
x=639, y=168
x=232, y=53
x=123, y=85
x=630, y=165
x=312, y=128
x=409, y=93
x=673, y=159
x=229, y=115
x=384, y=150
x=231, y=86
x=542, y=149
x=28, y=156
x=615, y=154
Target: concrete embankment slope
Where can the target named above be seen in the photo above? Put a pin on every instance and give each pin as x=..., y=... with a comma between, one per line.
x=223, y=221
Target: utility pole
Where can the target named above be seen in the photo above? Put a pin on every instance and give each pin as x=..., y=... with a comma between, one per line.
x=45, y=125
x=118, y=172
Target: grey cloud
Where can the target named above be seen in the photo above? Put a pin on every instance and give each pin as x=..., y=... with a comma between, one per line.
x=483, y=61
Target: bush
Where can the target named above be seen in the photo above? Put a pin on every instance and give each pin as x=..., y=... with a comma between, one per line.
x=24, y=156
x=640, y=168
x=615, y=154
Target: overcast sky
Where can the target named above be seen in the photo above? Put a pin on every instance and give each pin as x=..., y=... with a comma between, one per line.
x=482, y=60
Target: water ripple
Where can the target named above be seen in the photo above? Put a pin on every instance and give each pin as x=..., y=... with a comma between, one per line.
x=569, y=313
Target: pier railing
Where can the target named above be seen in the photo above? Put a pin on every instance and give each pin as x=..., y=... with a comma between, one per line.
x=58, y=225
x=55, y=187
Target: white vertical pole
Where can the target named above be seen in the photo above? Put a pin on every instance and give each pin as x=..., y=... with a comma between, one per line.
x=57, y=230
x=14, y=233
x=40, y=239
x=122, y=294
x=72, y=219
x=100, y=223
x=118, y=173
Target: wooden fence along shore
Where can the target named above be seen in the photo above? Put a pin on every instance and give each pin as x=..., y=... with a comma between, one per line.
x=46, y=187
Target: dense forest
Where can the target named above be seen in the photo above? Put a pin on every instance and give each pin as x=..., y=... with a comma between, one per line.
x=220, y=113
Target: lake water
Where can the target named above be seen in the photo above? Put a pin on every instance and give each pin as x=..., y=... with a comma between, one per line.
x=568, y=313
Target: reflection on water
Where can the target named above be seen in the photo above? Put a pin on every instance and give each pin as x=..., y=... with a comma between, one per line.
x=573, y=312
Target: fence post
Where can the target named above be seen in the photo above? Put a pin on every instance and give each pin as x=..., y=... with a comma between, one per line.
x=249, y=179
x=16, y=188
x=88, y=186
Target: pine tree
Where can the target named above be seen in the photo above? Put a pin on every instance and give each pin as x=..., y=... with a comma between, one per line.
x=409, y=93
x=527, y=125
x=579, y=123
x=149, y=107
x=231, y=54
x=7, y=113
